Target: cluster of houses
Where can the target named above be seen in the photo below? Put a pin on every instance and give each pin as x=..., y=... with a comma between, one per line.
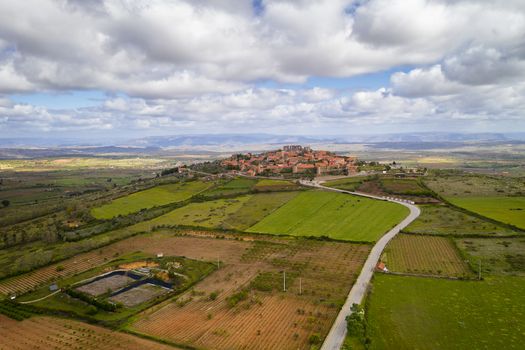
x=292, y=159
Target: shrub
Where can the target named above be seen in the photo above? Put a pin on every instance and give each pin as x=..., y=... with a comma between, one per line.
x=237, y=298
x=101, y=304
x=314, y=338
x=356, y=323
x=91, y=310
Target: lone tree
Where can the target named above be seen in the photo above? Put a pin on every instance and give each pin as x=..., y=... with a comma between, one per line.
x=5, y=203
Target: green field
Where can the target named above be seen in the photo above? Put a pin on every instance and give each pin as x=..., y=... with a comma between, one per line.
x=205, y=214
x=502, y=256
x=509, y=210
x=445, y=220
x=425, y=255
x=279, y=184
x=336, y=215
x=156, y=196
x=44, y=164
x=256, y=208
x=467, y=185
x=427, y=313
x=348, y=184
x=232, y=187
x=403, y=187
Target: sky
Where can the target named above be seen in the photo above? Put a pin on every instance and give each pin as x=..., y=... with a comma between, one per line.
x=133, y=68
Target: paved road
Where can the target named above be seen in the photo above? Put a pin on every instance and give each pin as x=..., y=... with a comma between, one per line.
x=336, y=336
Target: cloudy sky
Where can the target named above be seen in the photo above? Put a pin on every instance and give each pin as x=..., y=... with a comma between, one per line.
x=127, y=68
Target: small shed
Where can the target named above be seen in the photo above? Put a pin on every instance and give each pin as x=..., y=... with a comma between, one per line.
x=381, y=267
x=53, y=287
x=160, y=255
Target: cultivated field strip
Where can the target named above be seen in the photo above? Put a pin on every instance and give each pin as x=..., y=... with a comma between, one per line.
x=53, y=333
x=79, y=263
x=191, y=247
x=272, y=324
x=266, y=320
x=425, y=255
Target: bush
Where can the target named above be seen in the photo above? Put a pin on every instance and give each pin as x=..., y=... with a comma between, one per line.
x=100, y=304
x=17, y=311
x=314, y=338
x=91, y=310
x=237, y=298
x=356, y=323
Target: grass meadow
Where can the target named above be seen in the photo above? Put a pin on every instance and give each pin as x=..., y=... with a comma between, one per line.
x=403, y=187
x=256, y=208
x=205, y=214
x=348, y=184
x=501, y=256
x=336, y=215
x=156, y=196
x=445, y=220
x=236, y=186
x=509, y=210
x=427, y=313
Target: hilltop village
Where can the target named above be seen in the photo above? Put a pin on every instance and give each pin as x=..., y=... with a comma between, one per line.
x=292, y=159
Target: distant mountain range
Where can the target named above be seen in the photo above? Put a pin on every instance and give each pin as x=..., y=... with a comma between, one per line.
x=252, y=139
x=220, y=143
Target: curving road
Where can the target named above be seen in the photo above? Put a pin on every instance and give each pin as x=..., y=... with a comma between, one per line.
x=335, y=338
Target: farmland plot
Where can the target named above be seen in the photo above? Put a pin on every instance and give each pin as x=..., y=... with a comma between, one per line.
x=509, y=210
x=190, y=247
x=403, y=186
x=430, y=313
x=68, y=267
x=348, y=184
x=466, y=185
x=339, y=216
x=54, y=333
x=425, y=255
x=445, y=220
x=256, y=208
x=156, y=196
x=205, y=214
x=500, y=256
x=232, y=187
x=273, y=185
x=265, y=317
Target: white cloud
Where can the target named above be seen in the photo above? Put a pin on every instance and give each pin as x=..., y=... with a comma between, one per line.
x=11, y=81
x=424, y=82
x=188, y=63
x=479, y=65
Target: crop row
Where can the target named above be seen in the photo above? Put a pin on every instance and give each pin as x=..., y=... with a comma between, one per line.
x=16, y=311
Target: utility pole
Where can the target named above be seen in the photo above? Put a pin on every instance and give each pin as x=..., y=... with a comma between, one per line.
x=284, y=281
x=479, y=272
x=218, y=263
x=300, y=286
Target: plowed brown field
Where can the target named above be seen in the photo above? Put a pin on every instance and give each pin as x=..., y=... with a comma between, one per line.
x=324, y=271
x=53, y=333
x=191, y=247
